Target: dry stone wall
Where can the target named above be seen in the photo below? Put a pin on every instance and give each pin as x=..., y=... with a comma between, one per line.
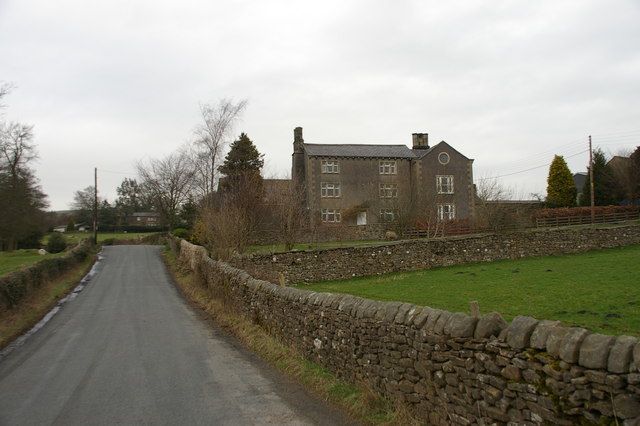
x=451, y=368
x=342, y=263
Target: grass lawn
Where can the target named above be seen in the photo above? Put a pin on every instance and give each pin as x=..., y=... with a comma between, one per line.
x=599, y=290
x=279, y=248
x=13, y=260
x=16, y=321
x=75, y=237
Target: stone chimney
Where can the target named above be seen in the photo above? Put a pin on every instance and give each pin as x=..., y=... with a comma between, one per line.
x=297, y=139
x=297, y=158
x=420, y=140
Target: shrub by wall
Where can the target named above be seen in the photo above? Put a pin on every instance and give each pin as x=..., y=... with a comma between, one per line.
x=583, y=211
x=15, y=286
x=450, y=367
x=347, y=262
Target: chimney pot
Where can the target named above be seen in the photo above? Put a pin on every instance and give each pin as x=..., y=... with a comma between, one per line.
x=420, y=140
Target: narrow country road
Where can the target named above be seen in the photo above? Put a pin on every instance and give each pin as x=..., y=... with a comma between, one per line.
x=129, y=350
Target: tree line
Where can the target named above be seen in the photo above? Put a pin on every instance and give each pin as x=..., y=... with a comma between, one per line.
x=616, y=181
x=22, y=202
x=177, y=185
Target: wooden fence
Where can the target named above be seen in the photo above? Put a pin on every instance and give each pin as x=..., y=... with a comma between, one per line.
x=584, y=220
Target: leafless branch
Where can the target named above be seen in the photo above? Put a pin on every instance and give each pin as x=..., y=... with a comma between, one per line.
x=212, y=135
x=168, y=182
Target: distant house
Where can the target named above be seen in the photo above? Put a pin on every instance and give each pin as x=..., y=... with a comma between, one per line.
x=150, y=219
x=626, y=177
x=578, y=180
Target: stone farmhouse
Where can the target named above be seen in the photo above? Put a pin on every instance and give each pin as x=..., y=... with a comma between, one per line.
x=371, y=184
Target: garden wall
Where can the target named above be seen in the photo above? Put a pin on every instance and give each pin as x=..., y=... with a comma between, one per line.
x=342, y=263
x=450, y=367
x=17, y=285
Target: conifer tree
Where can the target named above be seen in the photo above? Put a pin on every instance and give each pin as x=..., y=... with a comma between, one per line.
x=561, y=191
x=242, y=167
x=603, y=182
x=243, y=157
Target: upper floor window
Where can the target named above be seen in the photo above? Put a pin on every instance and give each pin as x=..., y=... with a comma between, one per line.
x=330, y=166
x=330, y=215
x=388, y=167
x=330, y=189
x=388, y=190
x=444, y=184
x=446, y=211
x=388, y=215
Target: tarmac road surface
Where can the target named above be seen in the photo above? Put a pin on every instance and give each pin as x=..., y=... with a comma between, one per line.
x=129, y=350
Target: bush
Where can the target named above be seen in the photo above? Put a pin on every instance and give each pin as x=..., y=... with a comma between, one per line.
x=31, y=241
x=57, y=243
x=583, y=211
x=181, y=233
x=16, y=285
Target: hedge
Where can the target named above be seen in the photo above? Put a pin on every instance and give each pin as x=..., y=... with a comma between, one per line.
x=16, y=285
x=583, y=211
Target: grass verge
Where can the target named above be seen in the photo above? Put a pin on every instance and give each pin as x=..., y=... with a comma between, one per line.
x=13, y=260
x=360, y=402
x=280, y=248
x=597, y=289
x=15, y=322
x=76, y=236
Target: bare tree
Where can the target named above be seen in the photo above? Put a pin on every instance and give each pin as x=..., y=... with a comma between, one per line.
x=168, y=182
x=21, y=199
x=211, y=136
x=496, y=209
x=288, y=207
x=16, y=147
x=228, y=225
x=5, y=89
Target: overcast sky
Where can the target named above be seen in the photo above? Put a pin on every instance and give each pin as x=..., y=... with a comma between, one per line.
x=507, y=83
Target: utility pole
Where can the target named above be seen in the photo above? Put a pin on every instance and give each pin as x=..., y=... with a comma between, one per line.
x=95, y=206
x=593, y=198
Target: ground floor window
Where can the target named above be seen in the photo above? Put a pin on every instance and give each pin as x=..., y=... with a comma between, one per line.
x=330, y=215
x=446, y=211
x=361, y=219
x=388, y=215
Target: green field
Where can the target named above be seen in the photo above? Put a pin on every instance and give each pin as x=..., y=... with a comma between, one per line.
x=13, y=260
x=280, y=248
x=599, y=290
x=75, y=237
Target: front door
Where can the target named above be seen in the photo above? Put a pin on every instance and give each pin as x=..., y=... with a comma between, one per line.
x=362, y=218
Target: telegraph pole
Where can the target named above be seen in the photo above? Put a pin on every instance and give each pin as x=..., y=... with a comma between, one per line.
x=593, y=198
x=95, y=206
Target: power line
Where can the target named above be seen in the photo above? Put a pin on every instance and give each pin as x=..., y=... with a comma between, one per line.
x=532, y=168
x=117, y=173
x=621, y=133
x=608, y=142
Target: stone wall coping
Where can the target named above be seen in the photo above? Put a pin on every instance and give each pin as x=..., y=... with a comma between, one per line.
x=426, y=241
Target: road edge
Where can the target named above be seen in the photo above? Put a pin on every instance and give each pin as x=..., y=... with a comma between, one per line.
x=358, y=402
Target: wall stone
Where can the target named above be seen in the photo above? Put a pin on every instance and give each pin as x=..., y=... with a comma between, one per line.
x=449, y=367
x=343, y=263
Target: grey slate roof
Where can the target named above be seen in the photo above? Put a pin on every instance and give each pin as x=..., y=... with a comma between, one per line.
x=340, y=150
x=145, y=214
